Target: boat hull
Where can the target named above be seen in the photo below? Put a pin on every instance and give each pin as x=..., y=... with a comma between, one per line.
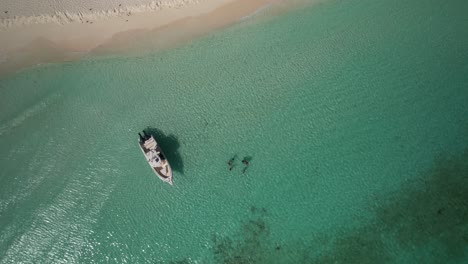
x=156, y=159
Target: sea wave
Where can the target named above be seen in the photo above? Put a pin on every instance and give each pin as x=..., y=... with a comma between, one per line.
x=66, y=222
x=28, y=113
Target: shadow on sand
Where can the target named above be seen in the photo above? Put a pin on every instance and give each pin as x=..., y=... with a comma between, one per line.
x=170, y=146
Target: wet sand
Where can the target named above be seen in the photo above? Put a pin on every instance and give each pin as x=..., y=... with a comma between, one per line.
x=36, y=41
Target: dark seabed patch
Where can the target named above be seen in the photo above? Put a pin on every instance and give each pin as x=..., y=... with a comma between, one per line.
x=428, y=219
x=250, y=244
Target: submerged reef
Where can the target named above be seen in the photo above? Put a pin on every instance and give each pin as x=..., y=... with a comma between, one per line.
x=426, y=221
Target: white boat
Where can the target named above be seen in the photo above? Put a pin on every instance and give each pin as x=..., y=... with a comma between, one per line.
x=155, y=157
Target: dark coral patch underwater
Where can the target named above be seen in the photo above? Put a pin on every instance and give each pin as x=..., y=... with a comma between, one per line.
x=426, y=220
x=249, y=245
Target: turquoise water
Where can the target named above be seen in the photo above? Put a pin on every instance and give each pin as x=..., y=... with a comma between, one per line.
x=354, y=115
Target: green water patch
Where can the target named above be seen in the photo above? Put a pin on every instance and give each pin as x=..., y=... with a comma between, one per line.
x=250, y=245
x=426, y=221
x=342, y=107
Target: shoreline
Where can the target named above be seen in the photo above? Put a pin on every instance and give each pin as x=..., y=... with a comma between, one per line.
x=23, y=46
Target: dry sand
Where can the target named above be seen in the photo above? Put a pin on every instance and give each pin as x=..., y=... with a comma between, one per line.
x=58, y=34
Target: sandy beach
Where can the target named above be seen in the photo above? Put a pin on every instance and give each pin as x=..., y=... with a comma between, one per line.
x=57, y=31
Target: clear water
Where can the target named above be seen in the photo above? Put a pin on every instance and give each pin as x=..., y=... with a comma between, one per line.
x=354, y=115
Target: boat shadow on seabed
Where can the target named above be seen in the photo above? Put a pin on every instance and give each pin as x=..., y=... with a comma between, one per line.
x=170, y=147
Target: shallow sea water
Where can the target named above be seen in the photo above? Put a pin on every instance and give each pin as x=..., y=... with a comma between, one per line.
x=353, y=114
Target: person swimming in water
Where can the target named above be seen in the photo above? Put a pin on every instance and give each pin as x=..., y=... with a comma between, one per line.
x=246, y=163
x=231, y=163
